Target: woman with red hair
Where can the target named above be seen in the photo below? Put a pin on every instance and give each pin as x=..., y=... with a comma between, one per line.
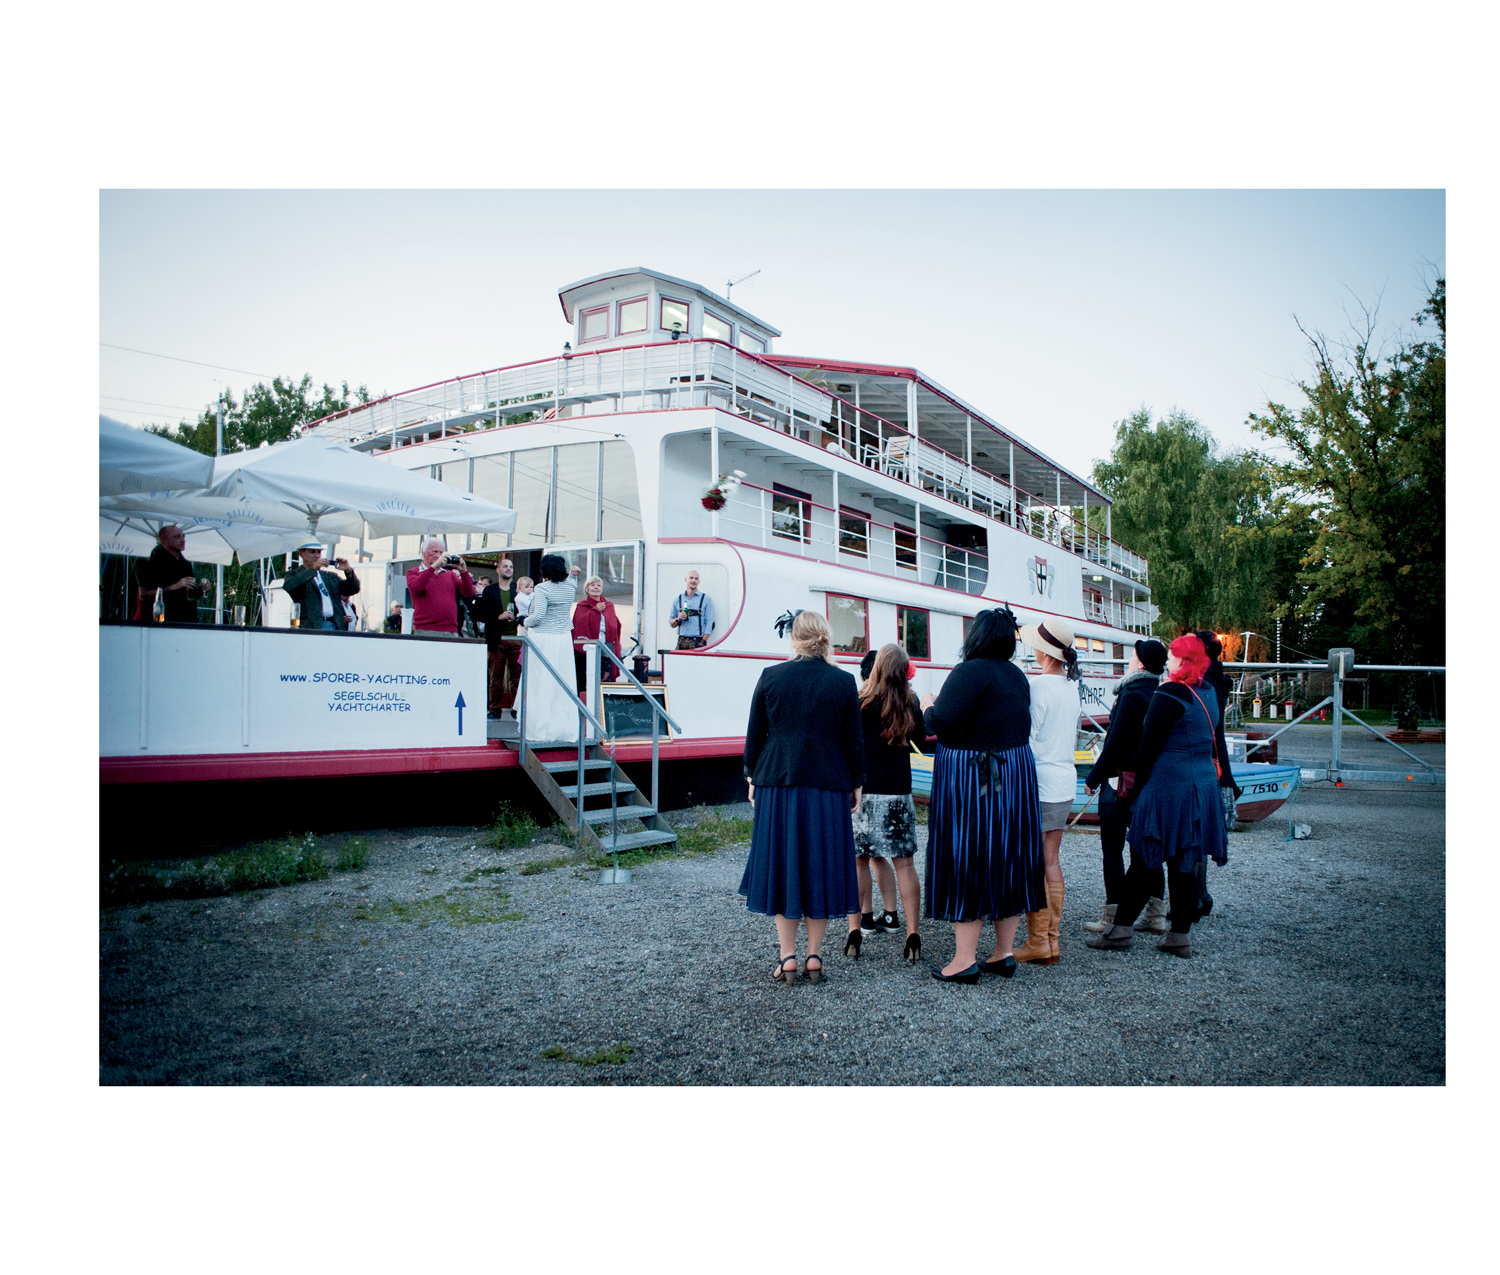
x=1178, y=818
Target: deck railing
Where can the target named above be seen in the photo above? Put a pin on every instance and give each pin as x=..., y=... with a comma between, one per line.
x=702, y=372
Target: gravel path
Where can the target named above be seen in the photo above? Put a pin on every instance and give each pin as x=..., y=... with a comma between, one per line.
x=1323, y=963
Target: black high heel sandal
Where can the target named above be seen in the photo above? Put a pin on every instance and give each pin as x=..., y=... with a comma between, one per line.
x=912, y=952
x=810, y=974
x=852, y=944
x=783, y=975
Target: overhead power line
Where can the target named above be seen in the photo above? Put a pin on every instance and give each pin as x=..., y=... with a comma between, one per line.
x=195, y=362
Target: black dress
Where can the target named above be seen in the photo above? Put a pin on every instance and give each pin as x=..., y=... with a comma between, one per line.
x=804, y=752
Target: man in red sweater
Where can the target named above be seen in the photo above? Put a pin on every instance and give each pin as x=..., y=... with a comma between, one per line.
x=435, y=589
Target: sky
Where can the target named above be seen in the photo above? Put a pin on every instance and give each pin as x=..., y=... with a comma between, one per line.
x=1057, y=313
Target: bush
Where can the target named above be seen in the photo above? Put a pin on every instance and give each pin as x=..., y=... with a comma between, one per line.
x=511, y=828
x=353, y=855
x=258, y=867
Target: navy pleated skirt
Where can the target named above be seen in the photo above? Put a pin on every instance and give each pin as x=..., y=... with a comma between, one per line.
x=984, y=836
x=801, y=860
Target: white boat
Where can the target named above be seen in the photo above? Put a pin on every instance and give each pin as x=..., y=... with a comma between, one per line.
x=868, y=492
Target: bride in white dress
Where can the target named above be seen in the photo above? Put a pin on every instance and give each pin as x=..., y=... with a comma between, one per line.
x=551, y=712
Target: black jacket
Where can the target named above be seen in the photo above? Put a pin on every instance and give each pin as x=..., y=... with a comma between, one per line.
x=487, y=609
x=804, y=729
x=1122, y=743
x=888, y=766
x=985, y=705
x=299, y=586
x=1219, y=680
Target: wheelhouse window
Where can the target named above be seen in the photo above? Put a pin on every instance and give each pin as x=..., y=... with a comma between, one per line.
x=674, y=313
x=791, y=514
x=593, y=325
x=906, y=547
x=715, y=327
x=631, y=316
x=751, y=344
x=854, y=533
x=911, y=632
x=849, y=618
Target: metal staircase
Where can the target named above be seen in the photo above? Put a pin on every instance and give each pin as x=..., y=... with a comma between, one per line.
x=591, y=774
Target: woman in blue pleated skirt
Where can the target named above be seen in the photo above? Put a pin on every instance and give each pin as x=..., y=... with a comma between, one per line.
x=804, y=758
x=984, y=838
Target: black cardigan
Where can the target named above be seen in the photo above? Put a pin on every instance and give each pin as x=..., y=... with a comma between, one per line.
x=1122, y=743
x=888, y=766
x=984, y=704
x=804, y=729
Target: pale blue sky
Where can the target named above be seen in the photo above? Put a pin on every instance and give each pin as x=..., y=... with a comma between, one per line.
x=1055, y=312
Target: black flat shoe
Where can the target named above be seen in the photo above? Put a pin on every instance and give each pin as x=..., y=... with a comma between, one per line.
x=810, y=974
x=851, y=944
x=968, y=976
x=912, y=952
x=1005, y=966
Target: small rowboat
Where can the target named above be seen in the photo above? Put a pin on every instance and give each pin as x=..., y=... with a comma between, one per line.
x=1264, y=787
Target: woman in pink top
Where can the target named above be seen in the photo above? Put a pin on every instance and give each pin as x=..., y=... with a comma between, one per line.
x=436, y=588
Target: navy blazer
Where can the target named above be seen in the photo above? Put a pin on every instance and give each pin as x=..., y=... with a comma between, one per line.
x=804, y=729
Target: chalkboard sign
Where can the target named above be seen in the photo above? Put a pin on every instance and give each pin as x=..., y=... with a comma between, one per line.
x=628, y=716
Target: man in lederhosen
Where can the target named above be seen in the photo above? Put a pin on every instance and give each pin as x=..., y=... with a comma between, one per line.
x=692, y=615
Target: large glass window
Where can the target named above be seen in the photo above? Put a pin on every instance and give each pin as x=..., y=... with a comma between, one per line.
x=532, y=495
x=577, y=518
x=751, y=344
x=632, y=317
x=456, y=474
x=791, y=513
x=674, y=312
x=911, y=631
x=715, y=327
x=906, y=547
x=854, y=533
x=593, y=325
x=492, y=481
x=849, y=618
x=621, y=500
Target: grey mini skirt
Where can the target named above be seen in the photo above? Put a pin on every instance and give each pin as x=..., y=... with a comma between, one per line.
x=1055, y=815
x=885, y=826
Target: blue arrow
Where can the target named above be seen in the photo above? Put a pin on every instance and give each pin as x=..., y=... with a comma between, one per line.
x=459, y=704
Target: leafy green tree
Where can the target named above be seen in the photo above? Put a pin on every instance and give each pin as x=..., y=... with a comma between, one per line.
x=1367, y=463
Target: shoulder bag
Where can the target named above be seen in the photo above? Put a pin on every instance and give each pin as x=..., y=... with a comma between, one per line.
x=1213, y=745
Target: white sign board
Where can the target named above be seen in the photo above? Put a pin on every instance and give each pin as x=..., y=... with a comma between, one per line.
x=171, y=691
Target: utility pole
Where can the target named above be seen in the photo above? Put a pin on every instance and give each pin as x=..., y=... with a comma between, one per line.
x=219, y=567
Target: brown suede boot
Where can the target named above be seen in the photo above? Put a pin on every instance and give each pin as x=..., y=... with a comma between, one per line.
x=1038, y=947
x=1054, y=917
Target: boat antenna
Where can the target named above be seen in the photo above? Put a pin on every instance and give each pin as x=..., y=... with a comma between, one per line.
x=729, y=284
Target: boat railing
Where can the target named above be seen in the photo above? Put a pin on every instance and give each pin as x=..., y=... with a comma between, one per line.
x=702, y=372
x=1117, y=614
x=766, y=519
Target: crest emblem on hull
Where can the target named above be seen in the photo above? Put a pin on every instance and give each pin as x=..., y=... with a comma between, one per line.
x=1040, y=576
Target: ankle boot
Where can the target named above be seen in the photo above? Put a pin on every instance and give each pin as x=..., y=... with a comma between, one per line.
x=1154, y=918
x=1054, y=917
x=1037, y=949
x=1106, y=919
x=1117, y=938
x=1175, y=944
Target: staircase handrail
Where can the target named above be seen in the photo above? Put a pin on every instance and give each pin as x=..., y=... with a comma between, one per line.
x=556, y=677
x=655, y=704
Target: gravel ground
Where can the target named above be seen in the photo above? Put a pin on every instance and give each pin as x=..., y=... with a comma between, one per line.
x=1323, y=963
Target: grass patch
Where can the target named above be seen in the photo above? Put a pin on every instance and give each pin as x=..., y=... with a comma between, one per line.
x=484, y=906
x=537, y=866
x=711, y=833
x=352, y=856
x=471, y=877
x=921, y=813
x=614, y=1055
x=257, y=867
x=511, y=828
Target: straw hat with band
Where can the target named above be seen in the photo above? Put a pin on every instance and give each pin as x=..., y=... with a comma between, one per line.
x=1054, y=638
x=310, y=544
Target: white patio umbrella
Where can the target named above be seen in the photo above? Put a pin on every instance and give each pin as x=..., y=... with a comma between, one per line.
x=131, y=460
x=133, y=533
x=338, y=488
x=256, y=528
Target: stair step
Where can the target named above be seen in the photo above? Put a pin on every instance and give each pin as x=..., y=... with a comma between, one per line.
x=626, y=812
x=570, y=791
x=634, y=840
x=567, y=767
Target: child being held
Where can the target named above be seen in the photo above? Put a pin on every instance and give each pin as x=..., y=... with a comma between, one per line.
x=524, y=589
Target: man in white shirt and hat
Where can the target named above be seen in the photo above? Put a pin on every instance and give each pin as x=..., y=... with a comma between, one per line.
x=319, y=590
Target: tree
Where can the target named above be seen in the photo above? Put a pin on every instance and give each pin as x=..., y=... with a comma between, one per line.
x=1185, y=506
x=1367, y=464
x=267, y=414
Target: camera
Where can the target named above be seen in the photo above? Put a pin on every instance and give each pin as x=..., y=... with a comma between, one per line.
x=452, y=561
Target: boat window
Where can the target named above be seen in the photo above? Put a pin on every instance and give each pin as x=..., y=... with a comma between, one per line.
x=854, y=533
x=791, y=513
x=715, y=327
x=532, y=495
x=751, y=344
x=492, y=481
x=911, y=631
x=577, y=517
x=906, y=547
x=593, y=325
x=1098, y=645
x=968, y=626
x=1119, y=650
x=620, y=499
x=1080, y=644
x=849, y=619
x=674, y=312
x=632, y=317
x=456, y=474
